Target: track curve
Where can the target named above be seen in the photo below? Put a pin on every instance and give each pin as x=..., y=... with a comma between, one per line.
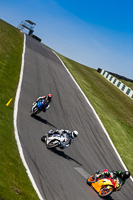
x=57, y=173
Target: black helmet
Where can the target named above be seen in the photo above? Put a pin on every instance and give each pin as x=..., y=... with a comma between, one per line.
x=125, y=175
x=49, y=97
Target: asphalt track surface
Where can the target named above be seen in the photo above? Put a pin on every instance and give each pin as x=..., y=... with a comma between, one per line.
x=59, y=174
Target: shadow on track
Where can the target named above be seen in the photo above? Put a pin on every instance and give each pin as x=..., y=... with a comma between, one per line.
x=43, y=121
x=62, y=154
x=108, y=198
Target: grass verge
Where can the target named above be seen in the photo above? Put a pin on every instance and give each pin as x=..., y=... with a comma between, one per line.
x=113, y=107
x=14, y=182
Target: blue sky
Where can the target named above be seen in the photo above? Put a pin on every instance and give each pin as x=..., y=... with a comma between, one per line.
x=96, y=33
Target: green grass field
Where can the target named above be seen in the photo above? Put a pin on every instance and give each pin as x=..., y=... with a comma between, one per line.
x=14, y=182
x=113, y=107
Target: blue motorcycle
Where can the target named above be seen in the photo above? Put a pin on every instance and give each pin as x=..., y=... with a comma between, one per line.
x=39, y=106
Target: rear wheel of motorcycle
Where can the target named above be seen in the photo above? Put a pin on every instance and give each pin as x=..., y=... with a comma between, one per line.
x=104, y=192
x=91, y=180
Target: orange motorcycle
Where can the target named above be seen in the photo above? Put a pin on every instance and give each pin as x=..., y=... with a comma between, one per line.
x=104, y=186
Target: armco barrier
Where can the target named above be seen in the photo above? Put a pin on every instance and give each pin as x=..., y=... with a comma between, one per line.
x=125, y=89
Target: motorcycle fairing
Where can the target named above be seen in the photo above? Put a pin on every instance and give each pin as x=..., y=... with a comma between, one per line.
x=40, y=104
x=57, y=135
x=102, y=182
x=53, y=137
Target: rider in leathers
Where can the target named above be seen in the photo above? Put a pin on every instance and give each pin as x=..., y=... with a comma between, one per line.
x=68, y=137
x=113, y=174
x=43, y=98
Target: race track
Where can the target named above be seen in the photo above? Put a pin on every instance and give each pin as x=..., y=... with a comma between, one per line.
x=61, y=175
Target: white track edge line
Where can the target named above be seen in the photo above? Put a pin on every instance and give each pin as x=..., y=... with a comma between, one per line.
x=15, y=124
x=96, y=117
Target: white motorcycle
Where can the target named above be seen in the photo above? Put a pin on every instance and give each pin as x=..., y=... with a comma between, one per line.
x=53, y=139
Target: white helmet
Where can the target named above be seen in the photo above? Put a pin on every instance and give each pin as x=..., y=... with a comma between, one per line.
x=74, y=133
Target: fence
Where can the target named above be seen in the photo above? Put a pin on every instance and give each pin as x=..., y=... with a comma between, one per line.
x=125, y=89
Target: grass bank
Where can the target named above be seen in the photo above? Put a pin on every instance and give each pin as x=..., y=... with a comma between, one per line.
x=113, y=107
x=14, y=182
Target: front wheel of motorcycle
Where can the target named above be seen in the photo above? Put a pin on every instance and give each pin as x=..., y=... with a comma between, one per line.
x=43, y=138
x=34, y=111
x=52, y=145
x=91, y=180
x=105, y=191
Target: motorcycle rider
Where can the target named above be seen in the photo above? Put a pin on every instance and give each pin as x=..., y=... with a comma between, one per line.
x=43, y=98
x=67, y=135
x=113, y=174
